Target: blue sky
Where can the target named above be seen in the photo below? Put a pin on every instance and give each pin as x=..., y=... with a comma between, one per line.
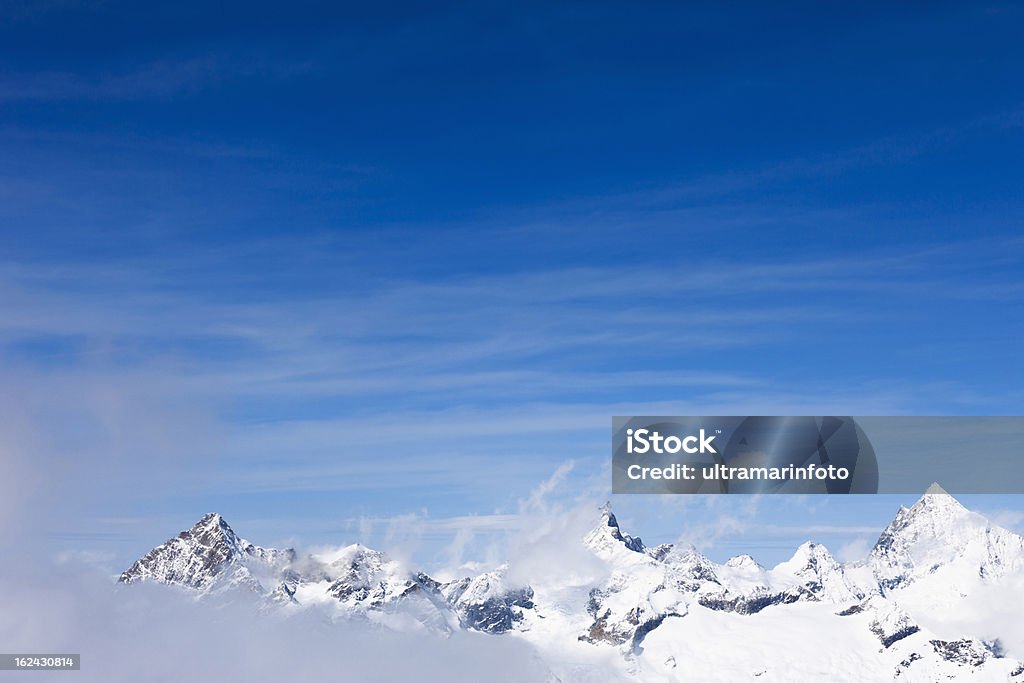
x=345, y=272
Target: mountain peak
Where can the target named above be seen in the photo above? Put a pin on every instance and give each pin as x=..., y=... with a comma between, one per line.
x=608, y=534
x=932, y=514
x=935, y=499
x=743, y=561
x=205, y=554
x=937, y=532
x=212, y=529
x=812, y=549
x=211, y=520
x=810, y=556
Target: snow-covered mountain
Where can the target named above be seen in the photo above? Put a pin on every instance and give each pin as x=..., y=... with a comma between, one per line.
x=354, y=581
x=667, y=612
x=938, y=537
x=209, y=556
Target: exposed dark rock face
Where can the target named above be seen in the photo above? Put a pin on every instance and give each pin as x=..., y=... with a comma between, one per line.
x=634, y=543
x=482, y=605
x=496, y=615
x=905, y=664
x=887, y=639
x=965, y=652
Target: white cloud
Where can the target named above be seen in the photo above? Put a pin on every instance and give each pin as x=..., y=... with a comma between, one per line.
x=1008, y=519
x=854, y=550
x=151, y=633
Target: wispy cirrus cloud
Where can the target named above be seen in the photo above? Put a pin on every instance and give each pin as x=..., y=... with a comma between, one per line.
x=219, y=379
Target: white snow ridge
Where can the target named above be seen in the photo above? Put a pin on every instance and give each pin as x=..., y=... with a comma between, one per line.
x=918, y=608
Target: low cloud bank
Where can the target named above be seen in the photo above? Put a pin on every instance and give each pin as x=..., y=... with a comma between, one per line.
x=151, y=633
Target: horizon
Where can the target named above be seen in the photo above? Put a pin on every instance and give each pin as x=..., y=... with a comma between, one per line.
x=860, y=552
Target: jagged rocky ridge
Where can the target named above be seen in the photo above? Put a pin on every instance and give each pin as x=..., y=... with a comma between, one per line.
x=209, y=555
x=934, y=543
x=211, y=558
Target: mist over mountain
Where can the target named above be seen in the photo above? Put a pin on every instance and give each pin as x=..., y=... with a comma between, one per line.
x=666, y=612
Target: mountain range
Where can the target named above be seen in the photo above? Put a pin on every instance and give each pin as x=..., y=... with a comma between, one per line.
x=667, y=612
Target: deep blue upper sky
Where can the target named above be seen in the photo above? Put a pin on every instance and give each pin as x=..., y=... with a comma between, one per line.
x=234, y=235
x=229, y=121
